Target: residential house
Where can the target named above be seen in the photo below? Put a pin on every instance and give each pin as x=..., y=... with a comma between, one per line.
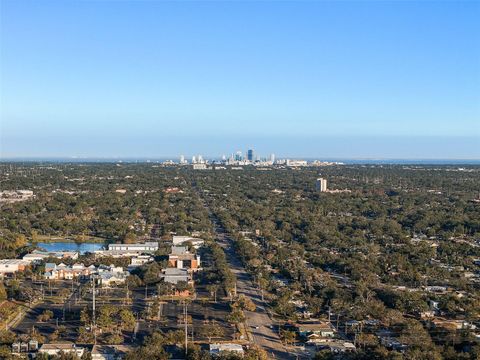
x=58, y=348
x=110, y=275
x=225, y=348
x=315, y=329
x=66, y=272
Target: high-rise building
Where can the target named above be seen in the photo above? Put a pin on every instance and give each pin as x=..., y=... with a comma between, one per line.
x=321, y=185
x=250, y=155
x=272, y=158
x=182, y=159
x=200, y=159
x=194, y=159
x=238, y=156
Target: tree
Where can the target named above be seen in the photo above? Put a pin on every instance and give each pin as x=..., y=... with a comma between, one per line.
x=45, y=316
x=255, y=352
x=236, y=316
x=127, y=319
x=129, y=238
x=85, y=336
x=211, y=330
x=3, y=292
x=288, y=336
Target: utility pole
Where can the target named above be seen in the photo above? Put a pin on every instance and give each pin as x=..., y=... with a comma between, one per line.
x=185, y=313
x=93, y=311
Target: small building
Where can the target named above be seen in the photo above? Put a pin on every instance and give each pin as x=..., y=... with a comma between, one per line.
x=181, y=240
x=11, y=266
x=226, y=348
x=320, y=329
x=37, y=256
x=174, y=275
x=58, y=348
x=110, y=352
x=66, y=272
x=33, y=345
x=109, y=278
x=341, y=347
x=141, y=260
x=16, y=348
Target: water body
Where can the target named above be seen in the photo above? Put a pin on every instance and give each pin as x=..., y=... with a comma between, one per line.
x=71, y=246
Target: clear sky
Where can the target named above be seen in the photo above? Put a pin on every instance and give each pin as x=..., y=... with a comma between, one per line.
x=318, y=79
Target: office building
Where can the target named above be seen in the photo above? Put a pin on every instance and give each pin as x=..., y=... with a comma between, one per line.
x=321, y=185
x=250, y=155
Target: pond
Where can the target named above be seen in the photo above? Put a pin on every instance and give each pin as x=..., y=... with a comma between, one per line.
x=70, y=246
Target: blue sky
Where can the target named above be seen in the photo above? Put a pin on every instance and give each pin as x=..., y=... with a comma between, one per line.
x=318, y=79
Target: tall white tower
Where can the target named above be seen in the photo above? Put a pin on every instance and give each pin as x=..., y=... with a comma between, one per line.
x=321, y=185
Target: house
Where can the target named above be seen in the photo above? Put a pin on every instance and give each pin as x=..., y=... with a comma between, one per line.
x=10, y=266
x=58, y=348
x=452, y=324
x=181, y=258
x=436, y=289
x=219, y=349
x=110, y=352
x=341, y=347
x=65, y=272
x=320, y=329
x=110, y=275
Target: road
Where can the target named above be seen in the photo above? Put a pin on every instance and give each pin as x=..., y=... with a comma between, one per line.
x=261, y=325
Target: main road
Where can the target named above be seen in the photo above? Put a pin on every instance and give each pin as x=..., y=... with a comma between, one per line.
x=259, y=323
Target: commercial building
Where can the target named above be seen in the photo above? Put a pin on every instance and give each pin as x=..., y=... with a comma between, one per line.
x=181, y=258
x=174, y=275
x=10, y=266
x=140, y=260
x=321, y=185
x=37, y=256
x=179, y=240
x=134, y=248
x=250, y=155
